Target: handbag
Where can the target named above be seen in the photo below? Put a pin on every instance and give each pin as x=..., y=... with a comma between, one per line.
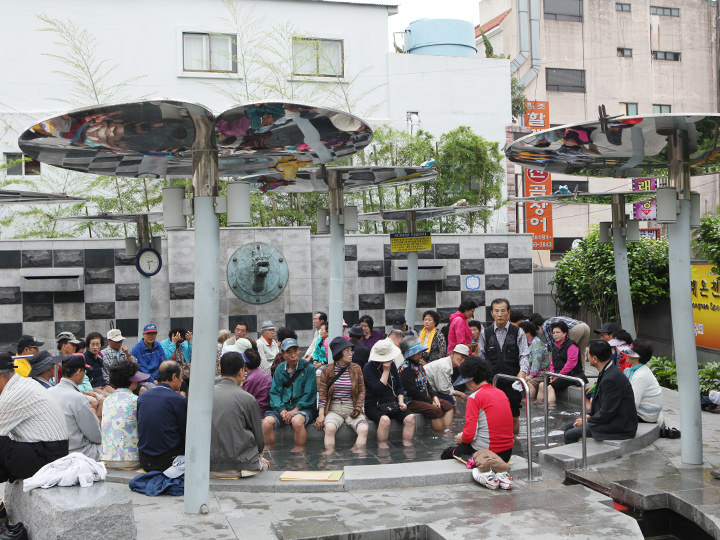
x=389, y=407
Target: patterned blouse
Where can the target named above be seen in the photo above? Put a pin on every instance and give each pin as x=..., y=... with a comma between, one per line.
x=119, y=426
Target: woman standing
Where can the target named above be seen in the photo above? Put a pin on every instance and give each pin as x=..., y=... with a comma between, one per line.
x=371, y=336
x=341, y=391
x=431, y=337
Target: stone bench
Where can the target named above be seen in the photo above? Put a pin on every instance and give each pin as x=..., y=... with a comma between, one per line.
x=97, y=512
x=346, y=434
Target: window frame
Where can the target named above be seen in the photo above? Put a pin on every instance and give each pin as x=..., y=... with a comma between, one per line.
x=664, y=55
x=551, y=16
x=660, y=107
x=622, y=52
x=318, y=75
x=209, y=73
x=626, y=108
x=620, y=6
x=664, y=11
x=23, y=165
x=564, y=88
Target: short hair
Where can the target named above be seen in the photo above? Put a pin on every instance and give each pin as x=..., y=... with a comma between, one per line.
x=434, y=314
x=283, y=333
x=95, y=335
x=121, y=372
x=644, y=348
x=516, y=316
x=223, y=335
x=623, y=335
x=396, y=332
x=367, y=319
x=601, y=349
x=528, y=327
x=475, y=324
x=241, y=323
x=500, y=301
x=321, y=315
x=325, y=324
x=467, y=305
x=561, y=325
x=478, y=369
x=69, y=372
x=231, y=363
x=252, y=359
x=180, y=331
x=167, y=369
x=62, y=342
x=537, y=320
x=81, y=345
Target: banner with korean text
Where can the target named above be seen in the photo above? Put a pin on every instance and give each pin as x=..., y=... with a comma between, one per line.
x=538, y=215
x=645, y=210
x=705, y=290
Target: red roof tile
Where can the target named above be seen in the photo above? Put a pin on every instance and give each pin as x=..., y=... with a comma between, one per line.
x=492, y=23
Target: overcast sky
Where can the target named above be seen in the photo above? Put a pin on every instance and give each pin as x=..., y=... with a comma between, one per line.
x=409, y=10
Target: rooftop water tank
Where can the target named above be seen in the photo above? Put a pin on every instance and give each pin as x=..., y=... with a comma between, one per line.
x=441, y=37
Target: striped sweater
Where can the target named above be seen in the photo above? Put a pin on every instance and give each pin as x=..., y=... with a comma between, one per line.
x=29, y=414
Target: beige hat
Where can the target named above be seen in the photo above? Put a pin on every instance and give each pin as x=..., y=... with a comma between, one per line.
x=115, y=335
x=384, y=351
x=463, y=349
x=241, y=345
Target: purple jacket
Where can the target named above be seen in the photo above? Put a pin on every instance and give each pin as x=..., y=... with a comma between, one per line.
x=258, y=384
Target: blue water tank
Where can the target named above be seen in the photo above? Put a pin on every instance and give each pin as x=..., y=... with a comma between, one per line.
x=441, y=37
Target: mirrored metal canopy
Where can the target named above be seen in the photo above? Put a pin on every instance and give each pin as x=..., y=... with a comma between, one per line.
x=420, y=213
x=352, y=178
x=109, y=218
x=11, y=196
x=629, y=147
x=589, y=198
x=157, y=138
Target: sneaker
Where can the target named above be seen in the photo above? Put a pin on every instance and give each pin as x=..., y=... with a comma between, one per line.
x=715, y=474
x=486, y=479
x=505, y=480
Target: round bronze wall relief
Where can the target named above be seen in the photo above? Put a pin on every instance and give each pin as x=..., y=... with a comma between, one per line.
x=257, y=273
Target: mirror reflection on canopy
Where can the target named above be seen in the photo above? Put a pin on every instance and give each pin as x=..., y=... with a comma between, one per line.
x=589, y=198
x=627, y=147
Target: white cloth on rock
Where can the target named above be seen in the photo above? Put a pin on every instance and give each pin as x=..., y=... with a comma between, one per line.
x=70, y=470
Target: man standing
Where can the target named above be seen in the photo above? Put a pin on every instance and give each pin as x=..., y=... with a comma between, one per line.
x=459, y=331
x=579, y=333
x=236, y=439
x=361, y=353
x=82, y=424
x=612, y=414
x=318, y=318
x=32, y=428
x=115, y=352
x=162, y=415
x=293, y=395
x=267, y=346
x=506, y=348
x=148, y=353
x=439, y=373
x=240, y=332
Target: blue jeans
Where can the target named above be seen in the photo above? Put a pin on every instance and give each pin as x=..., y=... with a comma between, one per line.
x=574, y=434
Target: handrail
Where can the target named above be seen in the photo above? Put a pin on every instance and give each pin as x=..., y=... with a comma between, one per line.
x=527, y=416
x=582, y=383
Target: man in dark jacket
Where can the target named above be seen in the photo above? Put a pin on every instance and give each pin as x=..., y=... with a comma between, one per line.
x=612, y=414
x=360, y=352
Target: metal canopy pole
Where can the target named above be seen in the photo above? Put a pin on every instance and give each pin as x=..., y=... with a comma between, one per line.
x=412, y=275
x=144, y=291
x=337, y=252
x=205, y=319
x=622, y=275
x=681, y=302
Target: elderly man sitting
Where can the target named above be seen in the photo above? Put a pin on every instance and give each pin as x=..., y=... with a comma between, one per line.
x=42, y=368
x=293, y=395
x=82, y=423
x=33, y=432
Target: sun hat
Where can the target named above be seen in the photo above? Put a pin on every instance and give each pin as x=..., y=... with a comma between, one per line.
x=356, y=331
x=627, y=350
x=69, y=336
x=139, y=377
x=267, y=325
x=339, y=344
x=606, y=328
x=415, y=348
x=40, y=362
x=463, y=349
x=241, y=345
x=383, y=351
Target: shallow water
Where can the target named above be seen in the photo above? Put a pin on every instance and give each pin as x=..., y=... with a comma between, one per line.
x=427, y=444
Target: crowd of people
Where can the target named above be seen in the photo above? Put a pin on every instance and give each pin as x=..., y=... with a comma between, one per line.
x=128, y=407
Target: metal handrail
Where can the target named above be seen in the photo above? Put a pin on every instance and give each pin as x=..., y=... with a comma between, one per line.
x=527, y=416
x=582, y=383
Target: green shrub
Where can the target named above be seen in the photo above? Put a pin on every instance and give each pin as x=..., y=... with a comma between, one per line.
x=665, y=372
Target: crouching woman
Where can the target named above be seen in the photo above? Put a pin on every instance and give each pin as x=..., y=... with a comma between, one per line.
x=341, y=391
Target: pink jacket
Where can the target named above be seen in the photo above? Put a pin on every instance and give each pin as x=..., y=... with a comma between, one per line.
x=459, y=331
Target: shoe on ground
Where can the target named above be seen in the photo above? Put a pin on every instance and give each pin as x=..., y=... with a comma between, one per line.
x=14, y=532
x=505, y=480
x=715, y=474
x=487, y=479
x=674, y=433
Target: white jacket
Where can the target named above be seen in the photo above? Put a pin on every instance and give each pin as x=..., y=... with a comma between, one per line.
x=72, y=469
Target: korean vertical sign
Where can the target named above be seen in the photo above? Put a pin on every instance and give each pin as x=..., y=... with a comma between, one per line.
x=538, y=215
x=645, y=210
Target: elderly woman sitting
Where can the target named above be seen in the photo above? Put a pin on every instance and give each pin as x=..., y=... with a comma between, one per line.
x=420, y=396
x=432, y=338
x=647, y=391
x=341, y=390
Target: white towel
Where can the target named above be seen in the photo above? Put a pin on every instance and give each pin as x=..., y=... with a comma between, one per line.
x=73, y=469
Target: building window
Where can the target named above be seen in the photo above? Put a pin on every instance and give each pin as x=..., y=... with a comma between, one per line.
x=629, y=109
x=668, y=12
x=565, y=80
x=666, y=55
x=209, y=52
x=622, y=7
x=564, y=10
x=622, y=51
x=657, y=108
x=314, y=57
x=21, y=168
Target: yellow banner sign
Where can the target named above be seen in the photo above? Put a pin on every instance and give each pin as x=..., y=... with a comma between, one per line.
x=705, y=290
x=401, y=242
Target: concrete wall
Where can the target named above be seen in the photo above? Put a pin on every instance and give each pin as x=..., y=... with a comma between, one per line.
x=109, y=296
